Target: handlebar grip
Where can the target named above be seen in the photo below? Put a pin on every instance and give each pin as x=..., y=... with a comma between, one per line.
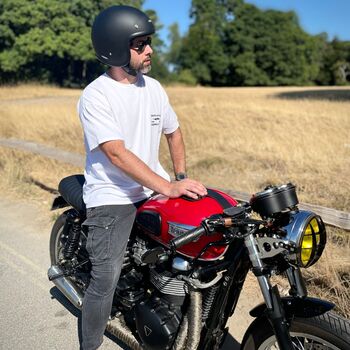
x=188, y=237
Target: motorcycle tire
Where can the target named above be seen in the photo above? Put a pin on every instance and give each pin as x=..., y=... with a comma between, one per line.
x=328, y=331
x=56, y=246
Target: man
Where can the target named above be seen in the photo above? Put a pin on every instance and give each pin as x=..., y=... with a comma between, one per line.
x=123, y=114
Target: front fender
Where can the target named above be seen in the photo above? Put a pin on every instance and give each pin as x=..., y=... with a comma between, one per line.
x=298, y=307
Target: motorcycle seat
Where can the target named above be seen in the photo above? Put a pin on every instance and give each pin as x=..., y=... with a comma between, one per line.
x=71, y=189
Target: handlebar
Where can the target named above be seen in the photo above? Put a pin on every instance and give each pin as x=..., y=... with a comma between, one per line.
x=188, y=237
x=207, y=227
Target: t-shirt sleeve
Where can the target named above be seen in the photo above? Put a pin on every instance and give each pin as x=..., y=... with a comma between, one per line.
x=170, y=118
x=98, y=121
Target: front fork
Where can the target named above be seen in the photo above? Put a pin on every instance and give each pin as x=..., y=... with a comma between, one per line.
x=275, y=311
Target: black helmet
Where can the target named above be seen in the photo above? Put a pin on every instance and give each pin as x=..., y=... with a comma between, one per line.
x=113, y=30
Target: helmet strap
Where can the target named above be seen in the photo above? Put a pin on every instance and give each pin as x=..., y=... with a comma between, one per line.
x=129, y=70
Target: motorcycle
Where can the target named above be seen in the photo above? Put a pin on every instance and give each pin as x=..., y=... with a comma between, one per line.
x=186, y=263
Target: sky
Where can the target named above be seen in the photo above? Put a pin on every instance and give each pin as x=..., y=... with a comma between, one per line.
x=315, y=16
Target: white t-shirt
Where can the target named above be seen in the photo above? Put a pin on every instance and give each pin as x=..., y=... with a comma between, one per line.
x=137, y=114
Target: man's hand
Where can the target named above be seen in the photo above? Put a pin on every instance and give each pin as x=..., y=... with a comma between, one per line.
x=186, y=187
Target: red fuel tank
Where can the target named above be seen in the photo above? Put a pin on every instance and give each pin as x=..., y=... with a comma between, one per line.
x=162, y=219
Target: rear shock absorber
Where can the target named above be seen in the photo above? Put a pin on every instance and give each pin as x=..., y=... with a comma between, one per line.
x=74, y=227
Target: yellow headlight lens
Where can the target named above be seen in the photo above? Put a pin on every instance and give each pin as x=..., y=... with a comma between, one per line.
x=316, y=228
x=307, y=232
x=306, y=249
x=310, y=241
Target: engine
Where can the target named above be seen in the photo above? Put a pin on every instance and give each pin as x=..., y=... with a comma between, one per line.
x=150, y=298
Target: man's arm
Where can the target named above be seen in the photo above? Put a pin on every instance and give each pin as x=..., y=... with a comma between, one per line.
x=177, y=151
x=134, y=167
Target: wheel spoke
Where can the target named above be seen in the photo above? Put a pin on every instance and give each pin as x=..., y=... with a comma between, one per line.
x=300, y=342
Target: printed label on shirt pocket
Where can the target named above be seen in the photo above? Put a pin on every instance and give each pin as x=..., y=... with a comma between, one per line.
x=155, y=119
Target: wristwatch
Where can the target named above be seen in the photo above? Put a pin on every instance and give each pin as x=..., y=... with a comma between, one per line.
x=180, y=176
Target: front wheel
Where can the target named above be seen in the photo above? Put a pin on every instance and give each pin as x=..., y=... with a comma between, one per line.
x=328, y=331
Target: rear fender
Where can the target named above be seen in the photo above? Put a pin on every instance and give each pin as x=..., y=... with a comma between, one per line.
x=297, y=307
x=58, y=203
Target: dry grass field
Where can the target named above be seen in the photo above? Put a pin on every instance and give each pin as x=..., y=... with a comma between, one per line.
x=236, y=138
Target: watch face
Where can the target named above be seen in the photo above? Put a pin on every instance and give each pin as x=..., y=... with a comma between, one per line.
x=180, y=176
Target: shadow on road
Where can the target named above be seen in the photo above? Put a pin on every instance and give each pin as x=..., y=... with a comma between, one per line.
x=56, y=294
x=330, y=95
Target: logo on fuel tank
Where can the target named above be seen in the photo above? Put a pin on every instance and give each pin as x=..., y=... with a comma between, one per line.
x=176, y=229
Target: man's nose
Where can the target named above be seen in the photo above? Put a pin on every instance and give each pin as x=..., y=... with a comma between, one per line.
x=148, y=49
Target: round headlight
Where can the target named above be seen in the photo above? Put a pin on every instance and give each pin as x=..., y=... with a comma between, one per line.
x=307, y=231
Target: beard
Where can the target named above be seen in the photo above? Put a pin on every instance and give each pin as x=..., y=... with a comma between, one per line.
x=142, y=67
x=145, y=69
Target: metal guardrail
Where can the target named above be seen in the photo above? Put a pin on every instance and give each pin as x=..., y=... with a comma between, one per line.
x=330, y=216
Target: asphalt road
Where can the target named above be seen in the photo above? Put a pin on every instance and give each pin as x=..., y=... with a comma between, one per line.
x=34, y=314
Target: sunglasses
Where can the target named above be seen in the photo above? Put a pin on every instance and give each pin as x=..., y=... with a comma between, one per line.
x=139, y=46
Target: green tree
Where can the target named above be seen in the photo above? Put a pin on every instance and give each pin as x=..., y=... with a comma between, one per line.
x=203, y=51
x=49, y=40
x=172, y=58
x=335, y=68
x=173, y=54
x=234, y=43
x=273, y=46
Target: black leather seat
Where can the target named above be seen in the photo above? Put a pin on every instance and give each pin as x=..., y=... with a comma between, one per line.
x=71, y=189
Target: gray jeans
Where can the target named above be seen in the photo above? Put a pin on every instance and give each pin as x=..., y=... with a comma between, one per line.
x=109, y=228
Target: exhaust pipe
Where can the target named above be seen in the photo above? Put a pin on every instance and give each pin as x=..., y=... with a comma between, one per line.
x=67, y=287
x=194, y=320
x=118, y=328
